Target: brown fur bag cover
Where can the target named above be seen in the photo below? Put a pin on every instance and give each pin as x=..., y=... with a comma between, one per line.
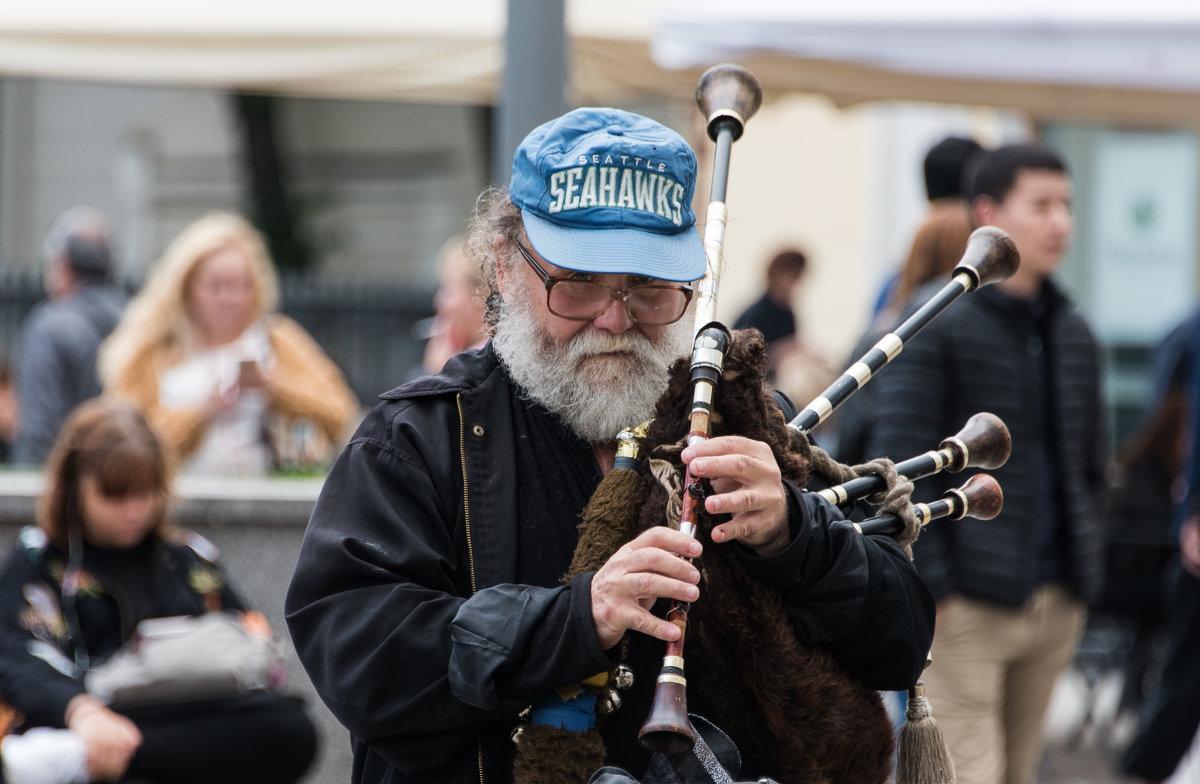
x=793, y=713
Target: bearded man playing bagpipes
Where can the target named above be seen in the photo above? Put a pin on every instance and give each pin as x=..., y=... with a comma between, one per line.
x=484, y=575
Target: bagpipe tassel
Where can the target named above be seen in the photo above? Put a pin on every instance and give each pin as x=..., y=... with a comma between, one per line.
x=609, y=519
x=923, y=757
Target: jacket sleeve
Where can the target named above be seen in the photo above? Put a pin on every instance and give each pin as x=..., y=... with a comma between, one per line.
x=410, y=656
x=857, y=596
x=34, y=672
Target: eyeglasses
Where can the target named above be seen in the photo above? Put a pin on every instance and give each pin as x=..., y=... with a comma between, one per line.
x=651, y=304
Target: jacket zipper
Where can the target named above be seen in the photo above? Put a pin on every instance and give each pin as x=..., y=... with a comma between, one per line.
x=462, y=457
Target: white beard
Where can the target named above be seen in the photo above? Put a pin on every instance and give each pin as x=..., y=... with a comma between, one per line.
x=597, y=383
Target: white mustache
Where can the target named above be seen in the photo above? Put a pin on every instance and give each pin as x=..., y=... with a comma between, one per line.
x=590, y=343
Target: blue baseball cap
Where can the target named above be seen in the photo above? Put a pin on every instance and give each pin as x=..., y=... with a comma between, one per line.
x=608, y=191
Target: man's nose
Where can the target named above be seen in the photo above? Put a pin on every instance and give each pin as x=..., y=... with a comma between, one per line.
x=1064, y=221
x=614, y=318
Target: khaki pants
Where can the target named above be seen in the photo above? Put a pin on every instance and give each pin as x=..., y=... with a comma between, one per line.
x=992, y=674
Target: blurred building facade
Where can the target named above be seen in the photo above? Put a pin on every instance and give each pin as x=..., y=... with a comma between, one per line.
x=381, y=184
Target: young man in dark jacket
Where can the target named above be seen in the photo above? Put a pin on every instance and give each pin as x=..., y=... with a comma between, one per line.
x=1011, y=591
x=428, y=604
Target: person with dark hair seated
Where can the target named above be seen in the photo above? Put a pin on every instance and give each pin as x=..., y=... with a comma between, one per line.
x=101, y=563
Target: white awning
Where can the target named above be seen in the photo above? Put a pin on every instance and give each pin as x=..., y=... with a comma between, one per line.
x=1071, y=58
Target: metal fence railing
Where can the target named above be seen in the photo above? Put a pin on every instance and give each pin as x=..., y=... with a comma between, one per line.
x=367, y=329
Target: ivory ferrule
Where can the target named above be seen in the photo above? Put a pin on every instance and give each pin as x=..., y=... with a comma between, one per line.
x=702, y=394
x=708, y=355
x=860, y=372
x=835, y=495
x=890, y=344
x=962, y=506
x=821, y=407
x=741, y=121
x=964, y=452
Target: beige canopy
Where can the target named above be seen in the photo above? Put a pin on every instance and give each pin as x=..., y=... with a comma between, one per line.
x=1072, y=58
x=424, y=51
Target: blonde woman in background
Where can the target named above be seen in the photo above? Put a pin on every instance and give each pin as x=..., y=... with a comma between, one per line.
x=202, y=352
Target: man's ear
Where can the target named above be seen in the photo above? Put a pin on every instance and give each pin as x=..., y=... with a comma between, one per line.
x=983, y=211
x=57, y=276
x=504, y=270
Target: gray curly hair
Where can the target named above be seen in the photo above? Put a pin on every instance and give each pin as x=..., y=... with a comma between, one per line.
x=495, y=217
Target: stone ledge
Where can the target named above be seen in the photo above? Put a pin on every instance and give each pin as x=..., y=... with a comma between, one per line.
x=199, y=501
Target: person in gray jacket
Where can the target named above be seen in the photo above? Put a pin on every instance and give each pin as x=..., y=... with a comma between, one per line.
x=1011, y=591
x=55, y=368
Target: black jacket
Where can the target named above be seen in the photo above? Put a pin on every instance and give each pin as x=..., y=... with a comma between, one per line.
x=983, y=354
x=408, y=614
x=38, y=639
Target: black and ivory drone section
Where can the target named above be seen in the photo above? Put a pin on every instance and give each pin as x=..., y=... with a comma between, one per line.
x=983, y=442
x=990, y=257
x=855, y=377
x=979, y=498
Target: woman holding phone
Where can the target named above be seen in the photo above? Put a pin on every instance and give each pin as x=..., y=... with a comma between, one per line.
x=202, y=352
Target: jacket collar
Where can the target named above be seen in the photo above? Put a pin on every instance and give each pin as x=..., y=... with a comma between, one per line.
x=462, y=372
x=1052, y=299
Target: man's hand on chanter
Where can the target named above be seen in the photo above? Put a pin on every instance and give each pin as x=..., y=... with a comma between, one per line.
x=642, y=571
x=746, y=484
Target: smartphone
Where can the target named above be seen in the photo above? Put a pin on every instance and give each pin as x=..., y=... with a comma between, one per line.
x=247, y=370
